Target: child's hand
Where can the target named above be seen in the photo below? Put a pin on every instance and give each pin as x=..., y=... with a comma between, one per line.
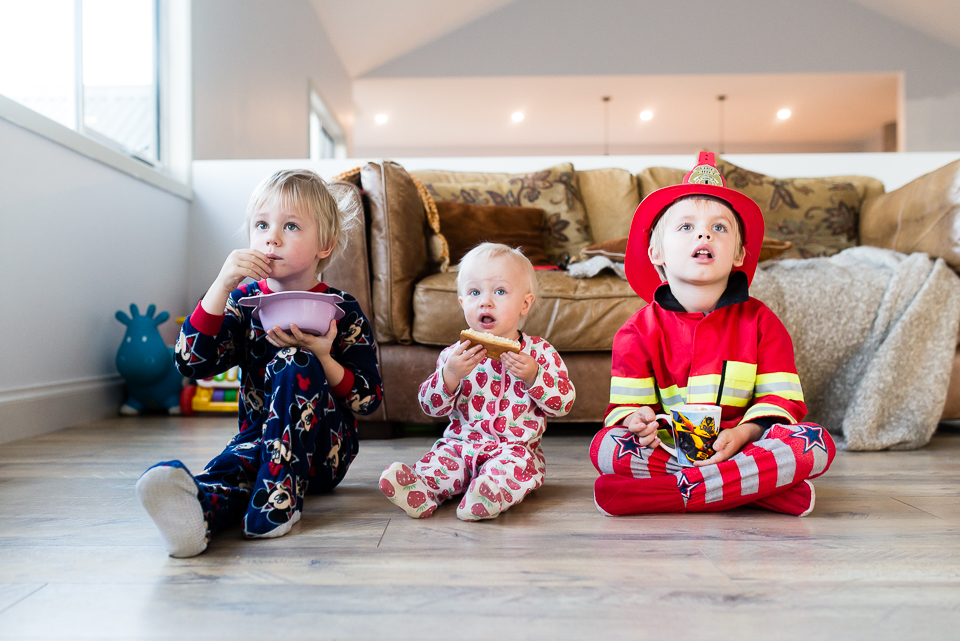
x=461, y=362
x=643, y=423
x=731, y=441
x=319, y=345
x=240, y=264
x=522, y=366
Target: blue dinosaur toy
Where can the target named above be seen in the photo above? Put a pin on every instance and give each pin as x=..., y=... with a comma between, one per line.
x=147, y=365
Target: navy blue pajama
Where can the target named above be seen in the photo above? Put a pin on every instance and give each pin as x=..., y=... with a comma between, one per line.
x=297, y=433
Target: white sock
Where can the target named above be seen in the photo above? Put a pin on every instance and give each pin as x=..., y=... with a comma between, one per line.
x=169, y=495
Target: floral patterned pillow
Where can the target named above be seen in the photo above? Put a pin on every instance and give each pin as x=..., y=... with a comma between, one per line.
x=554, y=190
x=820, y=216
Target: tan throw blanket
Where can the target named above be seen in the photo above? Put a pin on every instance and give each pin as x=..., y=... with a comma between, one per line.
x=874, y=333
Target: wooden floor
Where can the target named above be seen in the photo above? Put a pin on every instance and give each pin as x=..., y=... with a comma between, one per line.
x=878, y=559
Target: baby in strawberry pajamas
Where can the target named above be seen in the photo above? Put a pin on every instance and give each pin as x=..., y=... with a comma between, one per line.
x=490, y=452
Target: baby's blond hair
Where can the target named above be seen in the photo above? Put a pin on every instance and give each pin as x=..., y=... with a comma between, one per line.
x=659, y=229
x=486, y=251
x=303, y=191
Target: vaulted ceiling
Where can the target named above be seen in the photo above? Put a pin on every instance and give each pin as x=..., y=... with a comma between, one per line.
x=368, y=33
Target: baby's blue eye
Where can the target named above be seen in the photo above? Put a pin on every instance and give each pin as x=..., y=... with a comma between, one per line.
x=719, y=227
x=686, y=227
x=260, y=225
x=500, y=291
x=473, y=292
x=291, y=227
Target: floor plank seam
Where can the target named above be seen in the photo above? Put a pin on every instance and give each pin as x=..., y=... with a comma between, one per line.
x=384, y=532
x=715, y=567
x=916, y=508
x=25, y=596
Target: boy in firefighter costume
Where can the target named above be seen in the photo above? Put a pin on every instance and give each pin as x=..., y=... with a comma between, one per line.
x=300, y=392
x=702, y=339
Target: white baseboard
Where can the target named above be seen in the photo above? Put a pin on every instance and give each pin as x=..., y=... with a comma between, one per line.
x=32, y=411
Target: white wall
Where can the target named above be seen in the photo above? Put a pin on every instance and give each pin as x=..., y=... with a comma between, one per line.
x=79, y=240
x=252, y=64
x=607, y=37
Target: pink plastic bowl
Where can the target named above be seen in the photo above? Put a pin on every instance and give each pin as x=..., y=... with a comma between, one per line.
x=311, y=312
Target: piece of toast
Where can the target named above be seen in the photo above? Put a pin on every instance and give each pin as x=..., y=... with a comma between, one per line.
x=494, y=345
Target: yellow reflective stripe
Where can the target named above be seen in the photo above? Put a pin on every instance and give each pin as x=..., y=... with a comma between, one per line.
x=703, y=388
x=740, y=371
x=766, y=409
x=617, y=415
x=672, y=395
x=632, y=390
x=783, y=384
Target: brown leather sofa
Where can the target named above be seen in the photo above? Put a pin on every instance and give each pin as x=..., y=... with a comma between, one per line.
x=413, y=306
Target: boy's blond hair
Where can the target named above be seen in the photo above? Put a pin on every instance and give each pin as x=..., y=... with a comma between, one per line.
x=306, y=193
x=659, y=229
x=486, y=251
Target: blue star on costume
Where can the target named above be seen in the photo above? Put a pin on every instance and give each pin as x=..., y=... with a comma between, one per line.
x=686, y=487
x=812, y=436
x=627, y=444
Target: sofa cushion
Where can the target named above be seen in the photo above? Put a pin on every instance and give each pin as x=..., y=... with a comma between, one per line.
x=398, y=248
x=579, y=315
x=921, y=216
x=610, y=196
x=555, y=190
x=820, y=216
x=466, y=226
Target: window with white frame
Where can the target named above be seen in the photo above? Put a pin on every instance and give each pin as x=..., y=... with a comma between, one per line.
x=327, y=139
x=91, y=65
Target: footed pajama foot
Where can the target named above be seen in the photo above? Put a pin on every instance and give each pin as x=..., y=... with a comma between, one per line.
x=482, y=500
x=404, y=488
x=796, y=500
x=171, y=497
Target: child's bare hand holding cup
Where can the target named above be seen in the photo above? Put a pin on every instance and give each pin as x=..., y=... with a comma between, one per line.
x=461, y=362
x=643, y=423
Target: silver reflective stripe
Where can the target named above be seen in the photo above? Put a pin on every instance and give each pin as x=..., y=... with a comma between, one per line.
x=783, y=455
x=749, y=474
x=712, y=483
x=771, y=388
x=737, y=393
x=670, y=401
x=631, y=391
x=638, y=467
x=702, y=389
x=819, y=461
x=608, y=448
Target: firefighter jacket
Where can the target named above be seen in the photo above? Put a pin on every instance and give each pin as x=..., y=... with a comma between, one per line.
x=738, y=356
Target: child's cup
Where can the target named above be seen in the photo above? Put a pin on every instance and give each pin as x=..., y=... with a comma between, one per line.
x=695, y=429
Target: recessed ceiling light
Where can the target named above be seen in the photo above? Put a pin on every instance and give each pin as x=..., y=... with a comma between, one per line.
x=783, y=114
x=646, y=115
x=381, y=118
x=517, y=116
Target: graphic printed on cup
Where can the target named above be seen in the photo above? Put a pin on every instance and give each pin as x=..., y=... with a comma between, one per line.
x=695, y=429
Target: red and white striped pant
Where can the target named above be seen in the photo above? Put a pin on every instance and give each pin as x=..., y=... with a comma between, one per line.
x=784, y=456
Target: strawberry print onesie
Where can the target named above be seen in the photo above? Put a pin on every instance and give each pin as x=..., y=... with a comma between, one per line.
x=490, y=451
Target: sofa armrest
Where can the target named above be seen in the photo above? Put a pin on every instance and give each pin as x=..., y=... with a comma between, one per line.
x=921, y=216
